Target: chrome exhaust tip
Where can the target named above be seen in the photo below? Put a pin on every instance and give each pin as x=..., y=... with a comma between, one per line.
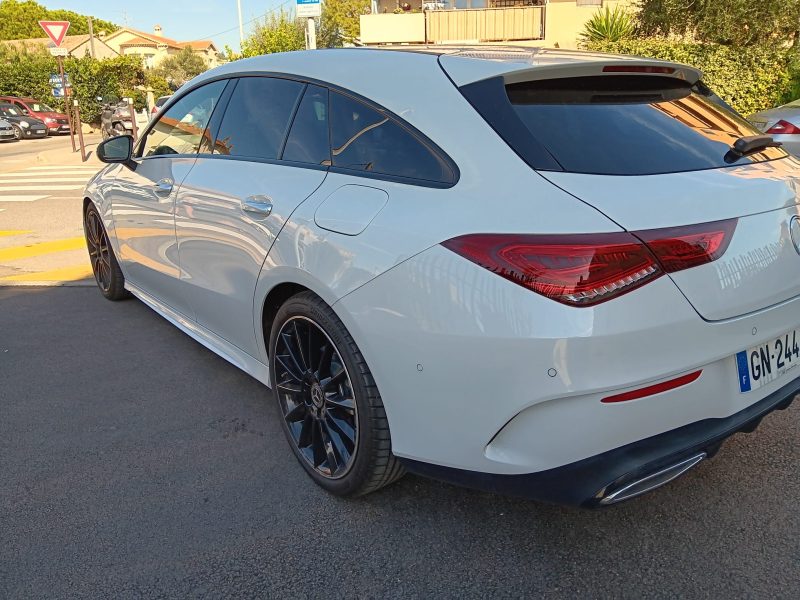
x=650, y=482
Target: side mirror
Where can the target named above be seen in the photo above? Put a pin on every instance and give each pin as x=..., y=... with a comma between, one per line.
x=116, y=149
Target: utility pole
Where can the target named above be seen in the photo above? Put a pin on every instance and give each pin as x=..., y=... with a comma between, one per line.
x=91, y=37
x=241, y=26
x=312, y=33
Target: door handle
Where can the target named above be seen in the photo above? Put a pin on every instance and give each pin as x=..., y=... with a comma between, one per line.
x=164, y=187
x=257, y=206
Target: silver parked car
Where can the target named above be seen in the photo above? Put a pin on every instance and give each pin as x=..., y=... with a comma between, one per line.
x=782, y=123
x=6, y=131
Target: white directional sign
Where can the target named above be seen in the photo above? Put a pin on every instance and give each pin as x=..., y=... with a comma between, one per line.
x=58, y=51
x=308, y=8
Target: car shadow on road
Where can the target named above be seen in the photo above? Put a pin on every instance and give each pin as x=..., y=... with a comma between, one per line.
x=138, y=460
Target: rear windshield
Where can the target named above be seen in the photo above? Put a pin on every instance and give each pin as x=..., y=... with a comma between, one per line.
x=630, y=125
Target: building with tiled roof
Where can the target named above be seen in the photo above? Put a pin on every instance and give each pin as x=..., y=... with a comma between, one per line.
x=76, y=45
x=154, y=47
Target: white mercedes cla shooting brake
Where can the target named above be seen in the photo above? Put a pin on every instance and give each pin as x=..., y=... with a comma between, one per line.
x=561, y=275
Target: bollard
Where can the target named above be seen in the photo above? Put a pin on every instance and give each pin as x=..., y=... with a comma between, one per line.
x=80, y=130
x=133, y=119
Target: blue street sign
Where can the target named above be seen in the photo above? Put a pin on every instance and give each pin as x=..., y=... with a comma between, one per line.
x=55, y=80
x=308, y=8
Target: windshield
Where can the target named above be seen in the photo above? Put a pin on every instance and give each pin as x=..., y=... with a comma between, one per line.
x=9, y=111
x=38, y=107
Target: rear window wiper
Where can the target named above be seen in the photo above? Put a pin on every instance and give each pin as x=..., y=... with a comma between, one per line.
x=749, y=144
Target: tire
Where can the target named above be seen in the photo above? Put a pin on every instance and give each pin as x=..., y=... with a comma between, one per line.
x=353, y=446
x=17, y=132
x=105, y=267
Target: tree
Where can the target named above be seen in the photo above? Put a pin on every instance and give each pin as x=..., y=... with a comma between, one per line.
x=736, y=23
x=340, y=22
x=279, y=32
x=20, y=20
x=608, y=25
x=180, y=68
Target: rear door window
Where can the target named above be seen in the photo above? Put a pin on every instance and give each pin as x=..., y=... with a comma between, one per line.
x=257, y=117
x=366, y=140
x=308, y=139
x=629, y=125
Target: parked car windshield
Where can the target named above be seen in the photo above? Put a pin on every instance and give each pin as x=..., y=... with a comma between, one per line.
x=39, y=107
x=632, y=125
x=9, y=111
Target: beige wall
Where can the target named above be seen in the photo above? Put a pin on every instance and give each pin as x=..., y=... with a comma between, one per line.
x=565, y=21
x=390, y=28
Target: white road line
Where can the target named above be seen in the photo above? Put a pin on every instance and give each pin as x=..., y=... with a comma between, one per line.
x=19, y=198
x=64, y=168
x=46, y=174
x=37, y=188
x=4, y=180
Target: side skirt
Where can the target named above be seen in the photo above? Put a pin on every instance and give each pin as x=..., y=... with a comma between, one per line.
x=213, y=342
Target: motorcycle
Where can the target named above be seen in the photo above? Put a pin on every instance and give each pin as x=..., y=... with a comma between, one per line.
x=115, y=118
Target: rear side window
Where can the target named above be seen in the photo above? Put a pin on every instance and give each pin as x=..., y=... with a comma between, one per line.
x=308, y=139
x=257, y=117
x=623, y=125
x=366, y=140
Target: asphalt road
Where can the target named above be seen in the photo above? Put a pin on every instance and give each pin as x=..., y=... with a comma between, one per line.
x=136, y=463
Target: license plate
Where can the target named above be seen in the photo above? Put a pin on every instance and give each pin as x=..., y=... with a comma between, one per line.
x=759, y=365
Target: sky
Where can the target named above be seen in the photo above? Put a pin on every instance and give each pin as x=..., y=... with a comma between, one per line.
x=182, y=20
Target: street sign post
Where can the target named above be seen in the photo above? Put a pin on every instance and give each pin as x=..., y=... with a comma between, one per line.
x=56, y=30
x=309, y=9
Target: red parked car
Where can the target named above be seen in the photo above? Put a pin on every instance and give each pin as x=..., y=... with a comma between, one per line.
x=56, y=122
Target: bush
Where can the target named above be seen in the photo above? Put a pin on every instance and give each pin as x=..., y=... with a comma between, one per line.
x=749, y=79
x=27, y=73
x=608, y=26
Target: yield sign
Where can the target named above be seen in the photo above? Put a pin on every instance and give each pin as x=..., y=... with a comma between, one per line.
x=55, y=30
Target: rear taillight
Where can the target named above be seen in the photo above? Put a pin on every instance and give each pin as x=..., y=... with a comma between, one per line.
x=587, y=269
x=679, y=248
x=783, y=128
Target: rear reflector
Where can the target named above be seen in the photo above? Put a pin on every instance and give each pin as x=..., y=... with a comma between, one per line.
x=638, y=69
x=783, y=128
x=651, y=390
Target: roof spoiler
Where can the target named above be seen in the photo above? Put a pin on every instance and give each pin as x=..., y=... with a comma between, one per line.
x=532, y=64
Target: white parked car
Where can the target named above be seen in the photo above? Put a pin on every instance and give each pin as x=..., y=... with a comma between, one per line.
x=564, y=275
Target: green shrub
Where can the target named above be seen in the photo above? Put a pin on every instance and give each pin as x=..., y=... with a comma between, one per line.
x=27, y=73
x=749, y=79
x=608, y=25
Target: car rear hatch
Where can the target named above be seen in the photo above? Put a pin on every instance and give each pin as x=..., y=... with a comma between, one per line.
x=651, y=147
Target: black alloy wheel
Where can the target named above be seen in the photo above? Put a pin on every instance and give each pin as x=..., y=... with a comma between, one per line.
x=331, y=410
x=316, y=397
x=105, y=267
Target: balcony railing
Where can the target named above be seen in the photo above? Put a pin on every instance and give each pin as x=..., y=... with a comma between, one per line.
x=448, y=26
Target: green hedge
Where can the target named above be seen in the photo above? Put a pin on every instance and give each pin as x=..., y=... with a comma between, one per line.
x=28, y=74
x=749, y=79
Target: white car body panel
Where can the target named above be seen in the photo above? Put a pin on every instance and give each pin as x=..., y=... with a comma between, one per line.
x=460, y=352
x=222, y=246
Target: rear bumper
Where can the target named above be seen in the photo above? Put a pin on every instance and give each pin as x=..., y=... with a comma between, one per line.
x=586, y=482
